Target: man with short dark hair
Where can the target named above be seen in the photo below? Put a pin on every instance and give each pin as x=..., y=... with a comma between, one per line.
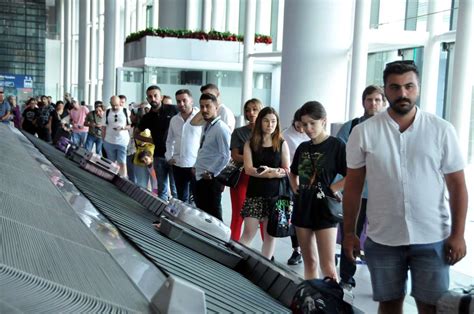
x=213, y=156
x=123, y=101
x=4, y=109
x=373, y=101
x=182, y=143
x=226, y=115
x=158, y=121
x=94, y=120
x=44, y=119
x=409, y=158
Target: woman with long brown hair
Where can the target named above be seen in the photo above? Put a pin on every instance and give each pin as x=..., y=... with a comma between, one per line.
x=266, y=161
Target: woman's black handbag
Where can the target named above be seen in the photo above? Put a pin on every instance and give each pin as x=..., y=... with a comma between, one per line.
x=279, y=218
x=230, y=175
x=330, y=205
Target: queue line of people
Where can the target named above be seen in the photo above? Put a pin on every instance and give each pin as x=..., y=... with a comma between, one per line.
x=376, y=177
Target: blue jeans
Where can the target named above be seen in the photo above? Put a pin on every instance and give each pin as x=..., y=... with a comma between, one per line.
x=142, y=176
x=131, y=168
x=79, y=138
x=389, y=265
x=91, y=140
x=116, y=152
x=163, y=172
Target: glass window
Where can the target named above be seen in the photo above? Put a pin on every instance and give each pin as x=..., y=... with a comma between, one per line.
x=454, y=14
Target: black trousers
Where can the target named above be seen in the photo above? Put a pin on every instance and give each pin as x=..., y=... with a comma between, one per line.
x=348, y=268
x=183, y=179
x=208, y=195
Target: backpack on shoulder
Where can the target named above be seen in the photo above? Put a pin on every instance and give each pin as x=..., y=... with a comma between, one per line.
x=320, y=296
x=124, y=112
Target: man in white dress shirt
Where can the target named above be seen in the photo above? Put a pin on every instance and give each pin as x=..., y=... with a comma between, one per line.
x=182, y=143
x=409, y=158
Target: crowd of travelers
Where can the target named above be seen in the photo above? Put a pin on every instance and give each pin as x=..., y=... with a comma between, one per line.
x=178, y=151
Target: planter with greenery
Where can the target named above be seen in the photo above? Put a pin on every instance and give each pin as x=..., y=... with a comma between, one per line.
x=212, y=35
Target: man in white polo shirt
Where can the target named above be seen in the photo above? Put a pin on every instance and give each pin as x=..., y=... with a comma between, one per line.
x=182, y=143
x=409, y=158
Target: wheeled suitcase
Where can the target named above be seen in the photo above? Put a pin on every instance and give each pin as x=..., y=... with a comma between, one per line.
x=197, y=220
x=99, y=166
x=207, y=246
x=76, y=154
x=63, y=144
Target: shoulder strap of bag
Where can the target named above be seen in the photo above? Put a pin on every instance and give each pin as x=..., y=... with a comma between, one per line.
x=107, y=116
x=126, y=116
x=354, y=122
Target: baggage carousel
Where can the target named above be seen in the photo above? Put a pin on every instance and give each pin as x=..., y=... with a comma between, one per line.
x=74, y=242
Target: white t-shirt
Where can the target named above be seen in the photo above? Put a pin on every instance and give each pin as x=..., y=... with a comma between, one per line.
x=227, y=116
x=407, y=201
x=294, y=138
x=117, y=120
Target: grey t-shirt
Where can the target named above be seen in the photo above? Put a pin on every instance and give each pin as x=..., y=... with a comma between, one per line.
x=239, y=137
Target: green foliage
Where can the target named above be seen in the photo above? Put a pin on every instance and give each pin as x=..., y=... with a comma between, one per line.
x=180, y=33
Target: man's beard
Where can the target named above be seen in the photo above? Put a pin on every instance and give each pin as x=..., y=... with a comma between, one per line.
x=154, y=105
x=399, y=109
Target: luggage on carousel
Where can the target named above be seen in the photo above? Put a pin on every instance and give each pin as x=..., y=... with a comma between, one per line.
x=99, y=166
x=63, y=144
x=197, y=220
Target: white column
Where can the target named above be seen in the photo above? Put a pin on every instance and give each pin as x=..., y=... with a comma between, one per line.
x=249, y=42
x=119, y=36
x=192, y=14
x=276, y=86
x=108, y=89
x=83, y=70
x=281, y=17
x=360, y=48
x=155, y=14
x=127, y=18
x=431, y=55
x=139, y=15
x=232, y=16
x=317, y=37
x=463, y=67
x=67, y=46
x=218, y=15
x=100, y=52
x=93, y=51
x=61, y=88
x=206, y=15
x=263, y=17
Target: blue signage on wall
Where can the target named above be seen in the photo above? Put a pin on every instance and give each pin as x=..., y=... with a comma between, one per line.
x=16, y=81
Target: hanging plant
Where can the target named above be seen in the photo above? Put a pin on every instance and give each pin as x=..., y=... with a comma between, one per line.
x=212, y=35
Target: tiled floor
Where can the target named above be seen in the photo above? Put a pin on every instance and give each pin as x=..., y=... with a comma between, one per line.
x=462, y=274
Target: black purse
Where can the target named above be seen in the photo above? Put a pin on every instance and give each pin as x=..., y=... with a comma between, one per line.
x=331, y=205
x=279, y=218
x=230, y=175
